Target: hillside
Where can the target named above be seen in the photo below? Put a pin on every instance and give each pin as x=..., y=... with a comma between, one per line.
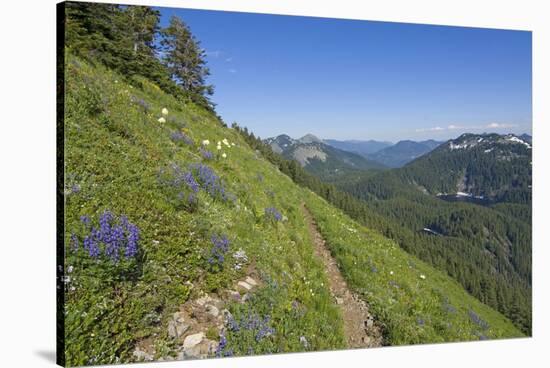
x=217, y=232
x=321, y=159
x=402, y=152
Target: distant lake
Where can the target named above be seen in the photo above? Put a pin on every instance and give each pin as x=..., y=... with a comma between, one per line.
x=467, y=199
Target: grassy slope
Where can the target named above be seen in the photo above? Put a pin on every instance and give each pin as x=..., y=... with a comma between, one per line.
x=115, y=149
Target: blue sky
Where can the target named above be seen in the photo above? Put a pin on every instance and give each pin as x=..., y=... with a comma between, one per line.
x=347, y=79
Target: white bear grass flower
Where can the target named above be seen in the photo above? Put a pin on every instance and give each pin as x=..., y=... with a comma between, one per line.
x=205, y=142
x=219, y=147
x=224, y=155
x=423, y=277
x=164, y=111
x=226, y=142
x=162, y=120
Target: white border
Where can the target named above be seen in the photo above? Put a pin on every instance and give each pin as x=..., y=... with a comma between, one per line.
x=27, y=184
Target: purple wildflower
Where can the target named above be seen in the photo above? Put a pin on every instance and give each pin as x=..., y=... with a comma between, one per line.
x=74, y=242
x=232, y=324
x=219, y=248
x=221, y=346
x=477, y=320
x=264, y=329
x=209, y=181
x=85, y=220
x=142, y=103
x=132, y=241
x=180, y=137
x=272, y=213
x=116, y=240
x=114, y=236
x=105, y=226
x=189, y=179
x=206, y=154
x=91, y=243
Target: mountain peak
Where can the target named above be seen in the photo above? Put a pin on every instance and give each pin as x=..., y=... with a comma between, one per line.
x=310, y=138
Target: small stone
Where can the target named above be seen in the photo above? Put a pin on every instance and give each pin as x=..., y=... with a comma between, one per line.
x=234, y=295
x=369, y=323
x=251, y=281
x=177, y=329
x=182, y=328
x=142, y=355
x=193, y=340
x=179, y=317
x=244, y=285
x=226, y=314
x=339, y=300
x=212, y=310
x=172, y=329
x=203, y=300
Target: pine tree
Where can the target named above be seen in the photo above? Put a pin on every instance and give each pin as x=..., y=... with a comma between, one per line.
x=184, y=58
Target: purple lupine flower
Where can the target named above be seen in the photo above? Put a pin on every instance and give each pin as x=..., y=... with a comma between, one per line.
x=91, y=243
x=209, y=181
x=477, y=320
x=140, y=102
x=264, y=331
x=85, y=220
x=132, y=241
x=113, y=236
x=232, y=324
x=124, y=222
x=273, y=214
x=116, y=240
x=221, y=346
x=219, y=248
x=189, y=179
x=74, y=242
x=191, y=198
x=105, y=226
x=75, y=188
x=179, y=136
x=206, y=154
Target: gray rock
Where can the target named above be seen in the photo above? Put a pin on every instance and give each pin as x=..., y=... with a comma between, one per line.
x=251, y=281
x=212, y=310
x=339, y=300
x=193, y=340
x=177, y=327
x=142, y=355
x=179, y=317
x=235, y=295
x=369, y=323
x=244, y=285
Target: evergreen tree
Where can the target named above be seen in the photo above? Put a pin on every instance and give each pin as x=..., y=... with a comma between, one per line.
x=184, y=58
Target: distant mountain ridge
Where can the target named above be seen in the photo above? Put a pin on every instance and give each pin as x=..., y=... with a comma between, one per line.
x=403, y=152
x=318, y=157
x=491, y=166
x=357, y=146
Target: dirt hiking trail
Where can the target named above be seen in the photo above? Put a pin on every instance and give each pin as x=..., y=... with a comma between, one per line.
x=359, y=327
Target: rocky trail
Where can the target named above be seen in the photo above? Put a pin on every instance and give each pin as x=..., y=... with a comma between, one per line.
x=359, y=327
x=191, y=324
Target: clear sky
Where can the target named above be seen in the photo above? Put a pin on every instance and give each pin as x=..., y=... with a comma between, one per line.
x=348, y=79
